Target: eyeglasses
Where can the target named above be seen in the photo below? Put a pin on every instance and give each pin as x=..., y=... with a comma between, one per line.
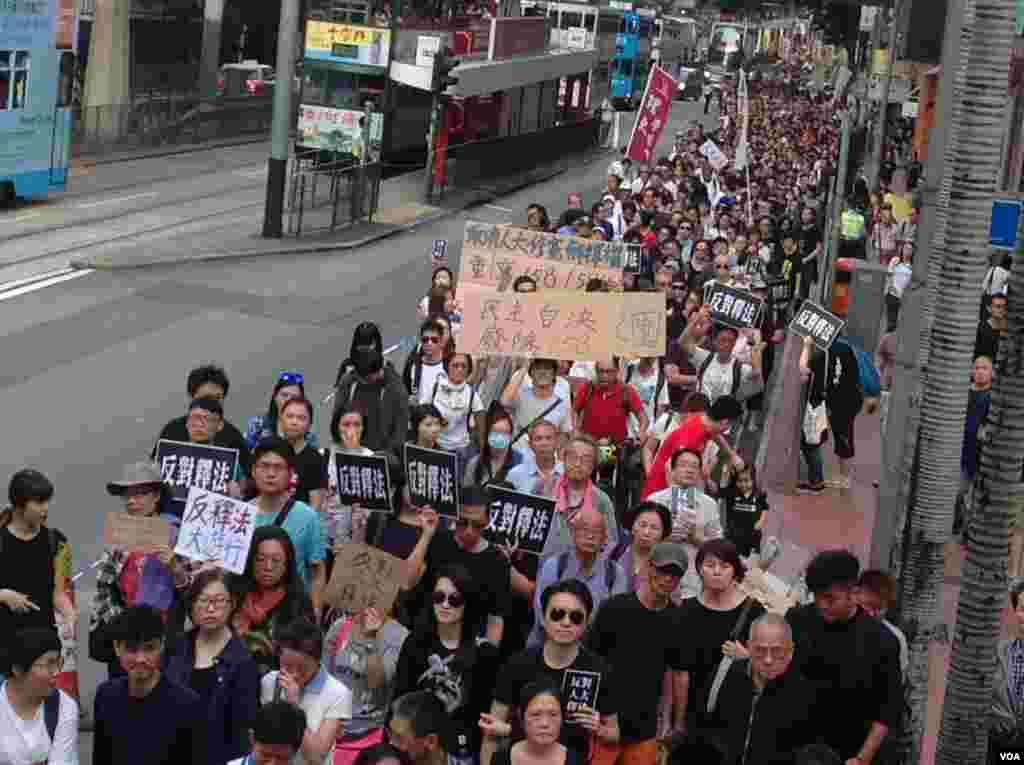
x=430, y=340
x=465, y=523
x=292, y=378
x=559, y=614
x=217, y=602
x=452, y=599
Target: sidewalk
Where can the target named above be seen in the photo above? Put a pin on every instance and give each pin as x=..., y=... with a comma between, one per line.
x=400, y=209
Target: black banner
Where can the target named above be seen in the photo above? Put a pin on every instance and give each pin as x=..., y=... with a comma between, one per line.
x=815, y=322
x=363, y=481
x=579, y=689
x=519, y=519
x=432, y=478
x=184, y=465
x=732, y=307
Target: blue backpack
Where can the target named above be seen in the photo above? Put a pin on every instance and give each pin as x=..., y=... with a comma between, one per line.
x=868, y=379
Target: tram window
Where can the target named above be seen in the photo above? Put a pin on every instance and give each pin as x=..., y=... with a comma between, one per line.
x=14, y=78
x=570, y=19
x=66, y=84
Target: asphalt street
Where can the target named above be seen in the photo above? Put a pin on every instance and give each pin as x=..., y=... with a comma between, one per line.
x=96, y=366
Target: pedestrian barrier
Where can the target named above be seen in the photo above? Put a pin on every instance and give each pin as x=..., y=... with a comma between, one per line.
x=325, y=193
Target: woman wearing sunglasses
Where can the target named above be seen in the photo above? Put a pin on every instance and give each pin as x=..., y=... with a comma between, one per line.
x=444, y=657
x=289, y=385
x=567, y=607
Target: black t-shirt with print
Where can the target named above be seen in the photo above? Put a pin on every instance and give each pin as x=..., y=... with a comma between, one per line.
x=529, y=665
x=742, y=514
x=311, y=468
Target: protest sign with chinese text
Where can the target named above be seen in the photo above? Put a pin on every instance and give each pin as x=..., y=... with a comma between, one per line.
x=439, y=252
x=364, y=577
x=216, y=529
x=714, y=155
x=652, y=115
x=432, y=478
x=206, y=467
x=518, y=519
x=563, y=325
x=815, y=322
x=494, y=256
x=732, y=307
x=580, y=689
x=363, y=481
x=134, y=533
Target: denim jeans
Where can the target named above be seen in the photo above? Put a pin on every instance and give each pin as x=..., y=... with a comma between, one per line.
x=815, y=463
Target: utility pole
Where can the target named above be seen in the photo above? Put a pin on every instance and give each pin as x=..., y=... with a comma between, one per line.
x=440, y=80
x=277, y=170
x=838, y=201
x=883, y=108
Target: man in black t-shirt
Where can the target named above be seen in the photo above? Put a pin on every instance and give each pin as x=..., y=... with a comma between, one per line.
x=641, y=635
x=566, y=608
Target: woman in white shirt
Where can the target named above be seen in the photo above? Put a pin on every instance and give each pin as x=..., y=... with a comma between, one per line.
x=901, y=270
x=33, y=729
x=461, y=407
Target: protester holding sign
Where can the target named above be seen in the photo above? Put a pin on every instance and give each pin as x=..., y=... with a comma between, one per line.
x=718, y=372
x=460, y=407
x=343, y=522
x=310, y=469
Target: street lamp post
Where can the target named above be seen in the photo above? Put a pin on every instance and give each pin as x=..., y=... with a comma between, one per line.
x=277, y=169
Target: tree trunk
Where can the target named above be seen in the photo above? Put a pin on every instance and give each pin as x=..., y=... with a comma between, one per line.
x=975, y=173
x=963, y=736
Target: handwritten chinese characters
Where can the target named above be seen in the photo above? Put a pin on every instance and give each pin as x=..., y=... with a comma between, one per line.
x=364, y=577
x=652, y=116
x=185, y=465
x=732, y=307
x=363, y=481
x=563, y=325
x=519, y=519
x=432, y=478
x=493, y=256
x=216, y=529
x=815, y=322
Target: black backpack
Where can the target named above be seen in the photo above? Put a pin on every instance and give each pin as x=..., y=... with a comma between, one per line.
x=657, y=386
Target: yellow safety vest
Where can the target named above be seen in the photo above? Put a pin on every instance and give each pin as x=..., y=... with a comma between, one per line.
x=852, y=225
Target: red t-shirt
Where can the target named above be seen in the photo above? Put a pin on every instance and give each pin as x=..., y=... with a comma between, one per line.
x=693, y=434
x=605, y=414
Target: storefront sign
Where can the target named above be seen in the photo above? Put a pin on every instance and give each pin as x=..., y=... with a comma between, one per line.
x=347, y=43
x=321, y=127
x=518, y=36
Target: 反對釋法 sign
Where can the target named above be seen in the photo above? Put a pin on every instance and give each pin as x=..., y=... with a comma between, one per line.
x=580, y=689
x=732, y=307
x=519, y=520
x=216, y=529
x=184, y=465
x=364, y=577
x=815, y=322
x=363, y=481
x=494, y=256
x=432, y=478
x=585, y=326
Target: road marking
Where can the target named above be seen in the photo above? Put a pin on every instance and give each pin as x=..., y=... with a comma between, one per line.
x=499, y=208
x=5, y=286
x=22, y=217
x=87, y=205
x=392, y=349
x=260, y=173
x=45, y=280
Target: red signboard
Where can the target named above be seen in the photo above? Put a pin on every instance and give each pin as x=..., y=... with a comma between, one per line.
x=518, y=36
x=653, y=115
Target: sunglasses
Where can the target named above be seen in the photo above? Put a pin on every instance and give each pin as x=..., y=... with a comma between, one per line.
x=292, y=378
x=559, y=614
x=465, y=523
x=452, y=599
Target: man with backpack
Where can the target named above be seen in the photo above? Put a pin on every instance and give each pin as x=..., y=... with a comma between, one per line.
x=719, y=372
x=588, y=561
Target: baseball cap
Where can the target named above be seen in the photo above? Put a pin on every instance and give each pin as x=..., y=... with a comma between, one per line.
x=667, y=554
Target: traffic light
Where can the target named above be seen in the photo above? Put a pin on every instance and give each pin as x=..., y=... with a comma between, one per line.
x=443, y=65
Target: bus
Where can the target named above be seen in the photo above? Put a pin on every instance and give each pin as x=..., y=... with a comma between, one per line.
x=37, y=73
x=633, y=46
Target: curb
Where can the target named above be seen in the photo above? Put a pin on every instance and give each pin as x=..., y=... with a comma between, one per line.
x=90, y=160
x=101, y=264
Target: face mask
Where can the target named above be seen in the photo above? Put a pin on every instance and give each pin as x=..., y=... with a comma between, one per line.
x=499, y=440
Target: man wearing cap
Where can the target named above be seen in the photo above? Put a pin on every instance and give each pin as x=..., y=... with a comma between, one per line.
x=639, y=633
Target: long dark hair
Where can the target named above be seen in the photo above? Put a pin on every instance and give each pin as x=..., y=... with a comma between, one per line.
x=367, y=333
x=296, y=602
x=270, y=418
x=473, y=621
x=494, y=413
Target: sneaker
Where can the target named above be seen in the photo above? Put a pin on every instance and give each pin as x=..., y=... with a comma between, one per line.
x=843, y=482
x=805, y=487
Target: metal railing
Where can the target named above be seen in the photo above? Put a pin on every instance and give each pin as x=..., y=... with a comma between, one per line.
x=326, y=193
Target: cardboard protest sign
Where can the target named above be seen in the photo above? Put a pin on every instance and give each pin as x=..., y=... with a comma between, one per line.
x=732, y=307
x=494, y=256
x=519, y=519
x=133, y=533
x=216, y=529
x=364, y=577
x=363, y=481
x=714, y=155
x=432, y=478
x=815, y=322
x=563, y=325
x=580, y=689
x=205, y=467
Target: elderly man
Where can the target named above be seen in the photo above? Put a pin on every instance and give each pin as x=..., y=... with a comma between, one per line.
x=588, y=561
x=764, y=709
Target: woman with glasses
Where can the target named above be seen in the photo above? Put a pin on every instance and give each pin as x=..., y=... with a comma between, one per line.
x=215, y=663
x=38, y=722
x=444, y=656
x=289, y=385
x=567, y=608
x=273, y=594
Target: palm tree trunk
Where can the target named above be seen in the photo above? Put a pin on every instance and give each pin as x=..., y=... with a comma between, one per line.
x=975, y=173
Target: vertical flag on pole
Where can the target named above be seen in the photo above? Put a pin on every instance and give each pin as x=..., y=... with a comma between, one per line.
x=652, y=116
x=743, y=113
